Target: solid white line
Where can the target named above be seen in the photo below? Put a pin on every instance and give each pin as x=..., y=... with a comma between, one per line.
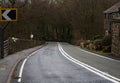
x=99, y=55
x=90, y=68
x=23, y=64
x=21, y=70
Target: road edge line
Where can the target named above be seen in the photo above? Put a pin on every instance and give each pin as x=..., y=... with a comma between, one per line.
x=99, y=55
x=90, y=68
x=16, y=64
x=13, y=69
x=23, y=64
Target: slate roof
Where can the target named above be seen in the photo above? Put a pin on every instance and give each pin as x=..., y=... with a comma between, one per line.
x=115, y=8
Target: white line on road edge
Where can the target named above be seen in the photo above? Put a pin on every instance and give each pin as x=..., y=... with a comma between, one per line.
x=99, y=55
x=23, y=64
x=90, y=68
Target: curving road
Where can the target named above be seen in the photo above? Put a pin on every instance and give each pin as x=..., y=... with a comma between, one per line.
x=48, y=65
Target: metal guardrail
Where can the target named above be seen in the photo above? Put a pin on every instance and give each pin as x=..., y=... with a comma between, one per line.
x=6, y=48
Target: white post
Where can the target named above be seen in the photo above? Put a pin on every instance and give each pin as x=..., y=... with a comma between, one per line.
x=31, y=36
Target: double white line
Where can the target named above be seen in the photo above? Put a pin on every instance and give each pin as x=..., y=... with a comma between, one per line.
x=90, y=68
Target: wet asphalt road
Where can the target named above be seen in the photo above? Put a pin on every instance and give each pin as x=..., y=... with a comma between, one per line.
x=104, y=64
x=48, y=65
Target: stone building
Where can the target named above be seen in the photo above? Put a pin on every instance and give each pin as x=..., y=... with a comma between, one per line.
x=112, y=27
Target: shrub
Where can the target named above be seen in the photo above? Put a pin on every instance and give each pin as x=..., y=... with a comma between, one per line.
x=107, y=49
x=107, y=40
x=98, y=37
x=98, y=44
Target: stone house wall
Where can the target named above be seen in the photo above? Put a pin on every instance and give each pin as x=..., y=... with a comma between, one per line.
x=112, y=27
x=115, y=32
x=107, y=21
x=116, y=39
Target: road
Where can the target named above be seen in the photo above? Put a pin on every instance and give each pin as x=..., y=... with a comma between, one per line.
x=52, y=64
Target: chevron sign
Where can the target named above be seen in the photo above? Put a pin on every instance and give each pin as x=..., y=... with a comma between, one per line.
x=8, y=14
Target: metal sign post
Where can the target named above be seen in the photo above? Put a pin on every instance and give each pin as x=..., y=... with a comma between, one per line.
x=2, y=43
x=6, y=15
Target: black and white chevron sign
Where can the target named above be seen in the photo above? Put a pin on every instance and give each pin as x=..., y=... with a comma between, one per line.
x=8, y=14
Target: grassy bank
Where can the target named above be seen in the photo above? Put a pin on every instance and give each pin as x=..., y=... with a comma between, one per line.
x=98, y=52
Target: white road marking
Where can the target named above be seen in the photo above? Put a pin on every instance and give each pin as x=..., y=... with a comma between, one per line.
x=90, y=68
x=5, y=14
x=22, y=66
x=99, y=55
x=21, y=70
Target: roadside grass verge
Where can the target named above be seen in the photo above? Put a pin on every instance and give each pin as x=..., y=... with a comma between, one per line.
x=101, y=53
x=98, y=52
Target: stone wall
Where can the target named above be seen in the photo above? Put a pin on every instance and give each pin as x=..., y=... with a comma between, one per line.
x=115, y=48
x=108, y=18
x=116, y=39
